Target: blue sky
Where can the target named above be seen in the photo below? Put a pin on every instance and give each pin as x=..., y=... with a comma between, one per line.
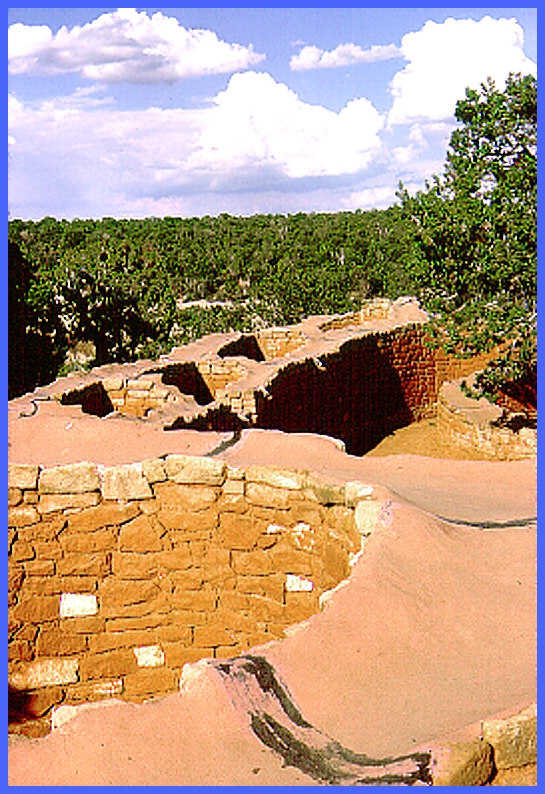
x=197, y=111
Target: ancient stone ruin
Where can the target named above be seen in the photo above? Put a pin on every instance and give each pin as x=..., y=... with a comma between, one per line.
x=122, y=573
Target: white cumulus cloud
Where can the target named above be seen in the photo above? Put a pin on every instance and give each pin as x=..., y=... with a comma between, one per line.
x=80, y=155
x=259, y=121
x=446, y=58
x=125, y=46
x=312, y=57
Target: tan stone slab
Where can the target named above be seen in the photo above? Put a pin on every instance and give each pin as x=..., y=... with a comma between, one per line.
x=75, y=478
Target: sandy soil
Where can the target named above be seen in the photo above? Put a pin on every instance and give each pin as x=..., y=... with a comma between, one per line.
x=423, y=438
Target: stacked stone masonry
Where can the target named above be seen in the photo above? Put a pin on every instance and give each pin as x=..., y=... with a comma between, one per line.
x=118, y=576
x=356, y=377
x=460, y=422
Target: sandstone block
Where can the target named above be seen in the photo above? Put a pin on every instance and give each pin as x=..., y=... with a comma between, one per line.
x=23, y=476
x=54, y=642
x=37, y=610
x=189, y=579
x=45, y=672
x=77, y=605
x=47, y=550
x=187, y=521
x=341, y=524
x=37, y=586
x=112, y=640
x=125, y=483
x=187, y=469
x=86, y=624
x=88, y=543
x=103, y=515
x=173, y=633
x=98, y=690
x=233, y=487
x=300, y=606
x=234, y=600
x=366, y=516
x=111, y=664
x=275, y=477
x=265, y=609
x=186, y=617
x=127, y=624
x=268, y=586
x=113, y=383
x=336, y=565
x=16, y=574
x=266, y=495
x=516, y=776
x=75, y=478
x=514, y=739
x=51, y=503
x=40, y=568
x=141, y=535
x=355, y=491
x=232, y=621
x=323, y=492
x=153, y=470
x=177, y=559
x=15, y=497
x=76, y=584
x=20, y=651
x=237, y=531
x=286, y=559
x=114, y=593
x=83, y=565
x=232, y=503
x=149, y=656
x=197, y=600
x=22, y=516
x=21, y=551
x=211, y=636
x=185, y=497
x=147, y=682
x=135, y=566
x=178, y=653
x=462, y=764
x=252, y=563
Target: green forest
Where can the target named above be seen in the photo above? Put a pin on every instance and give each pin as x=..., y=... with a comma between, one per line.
x=465, y=246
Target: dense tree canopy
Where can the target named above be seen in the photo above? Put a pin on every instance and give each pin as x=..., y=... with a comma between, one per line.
x=465, y=245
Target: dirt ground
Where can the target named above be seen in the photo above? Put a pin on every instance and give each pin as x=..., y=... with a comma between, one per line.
x=423, y=438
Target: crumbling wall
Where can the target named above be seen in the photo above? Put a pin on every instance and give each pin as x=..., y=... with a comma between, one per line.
x=278, y=342
x=373, y=385
x=472, y=424
x=120, y=575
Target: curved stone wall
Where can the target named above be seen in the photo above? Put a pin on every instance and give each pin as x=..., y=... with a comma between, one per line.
x=478, y=424
x=120, y=575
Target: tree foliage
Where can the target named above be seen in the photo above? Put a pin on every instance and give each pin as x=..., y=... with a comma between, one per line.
x=466, y=245
x=475, y=233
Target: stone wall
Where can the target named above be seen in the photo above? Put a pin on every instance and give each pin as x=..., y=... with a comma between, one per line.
x=118, y=576
x=278, y=342
x=478, y=424
x=371, y=386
